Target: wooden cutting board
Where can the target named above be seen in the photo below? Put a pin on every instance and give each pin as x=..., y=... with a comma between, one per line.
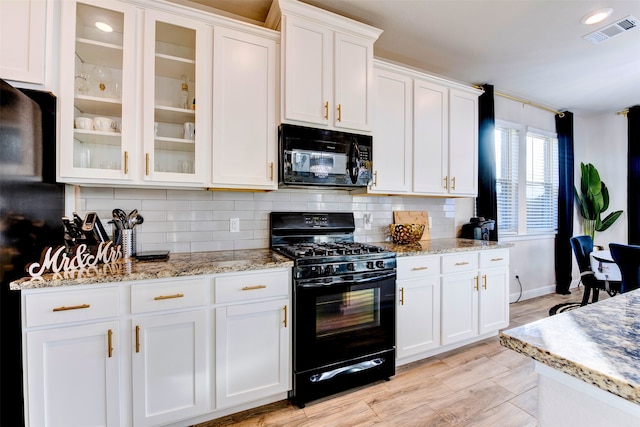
x=413, y=217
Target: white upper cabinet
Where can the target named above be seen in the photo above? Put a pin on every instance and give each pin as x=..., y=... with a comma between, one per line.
x=425, y=138
x=22, y=40
x=327, y=77
x=97, y=85
x=392, y=165
x=463, y=143
x=176, y=69
x=244, y=148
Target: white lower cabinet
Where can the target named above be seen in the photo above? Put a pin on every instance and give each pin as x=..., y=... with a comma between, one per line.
x=418, y=309
x=169, y=364
x=253, y=336
x=194, y=345
x=474, y=294
x=72, y=357
x=252, y=351
x=169, y=369
x=74, y=376
x=445, y=301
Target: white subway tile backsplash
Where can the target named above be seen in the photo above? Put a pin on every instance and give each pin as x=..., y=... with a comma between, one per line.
x=198, y=220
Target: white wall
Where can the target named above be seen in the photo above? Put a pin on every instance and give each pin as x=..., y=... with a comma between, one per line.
x=602, y=141
x=198, y=220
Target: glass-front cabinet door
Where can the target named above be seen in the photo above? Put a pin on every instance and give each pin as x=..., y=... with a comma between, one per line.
x=176, y=97
x=97, y=101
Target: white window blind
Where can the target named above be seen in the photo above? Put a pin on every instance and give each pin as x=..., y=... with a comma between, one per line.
x=542, y=181
x=507, y=142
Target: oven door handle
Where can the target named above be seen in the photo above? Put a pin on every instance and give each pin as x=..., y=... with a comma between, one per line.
x=368, y=279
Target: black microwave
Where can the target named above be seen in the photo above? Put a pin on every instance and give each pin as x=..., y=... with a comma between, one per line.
x=319, y=157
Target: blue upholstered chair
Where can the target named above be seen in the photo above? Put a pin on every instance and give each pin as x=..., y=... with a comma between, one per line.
x=582, y=247
x=628, y=259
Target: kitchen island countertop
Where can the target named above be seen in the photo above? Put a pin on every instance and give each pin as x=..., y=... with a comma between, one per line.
x=598, y=344
x=179, y=264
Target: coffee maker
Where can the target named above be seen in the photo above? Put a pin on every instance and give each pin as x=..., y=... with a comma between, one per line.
x=477, y=228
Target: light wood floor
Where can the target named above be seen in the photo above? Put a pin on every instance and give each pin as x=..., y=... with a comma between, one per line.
x=482, y=384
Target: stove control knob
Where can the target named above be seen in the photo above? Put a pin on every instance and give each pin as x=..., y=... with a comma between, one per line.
x=380, y=264
x=329, y=269
x=351, y=266
x=370, y=265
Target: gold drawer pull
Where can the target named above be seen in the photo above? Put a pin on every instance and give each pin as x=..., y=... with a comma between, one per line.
x=484, y=281
x=339, y=112
x=110, y=342
x=137, y=338
x=253, y=288
x=326, y=110
x=419, y=268
x=497, y=259
x=462, y=263
x=161, y=297
x=73, y=307
x=475, y=286
x=401, y=296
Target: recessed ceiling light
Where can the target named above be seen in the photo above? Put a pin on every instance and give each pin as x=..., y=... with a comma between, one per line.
x=104, y=27
x=596, y=16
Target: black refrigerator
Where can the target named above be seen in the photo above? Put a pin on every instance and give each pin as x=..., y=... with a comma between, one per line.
x=31, y=207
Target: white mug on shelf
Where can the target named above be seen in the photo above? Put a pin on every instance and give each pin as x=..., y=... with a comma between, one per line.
x=104, y=124
x=84, y=123
x=189, y=130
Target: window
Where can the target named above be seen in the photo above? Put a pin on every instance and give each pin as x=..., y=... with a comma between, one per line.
x=527, y=188
x=507, y=145
x=542, y=183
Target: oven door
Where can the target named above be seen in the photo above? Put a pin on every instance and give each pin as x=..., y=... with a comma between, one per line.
x=343, y=318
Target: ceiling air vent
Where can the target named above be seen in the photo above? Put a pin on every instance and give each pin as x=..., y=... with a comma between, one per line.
x=612, y=30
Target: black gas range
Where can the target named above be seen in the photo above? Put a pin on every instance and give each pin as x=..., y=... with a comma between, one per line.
x=343, y=303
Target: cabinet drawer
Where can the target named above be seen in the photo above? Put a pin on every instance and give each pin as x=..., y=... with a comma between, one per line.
x=51, y=308
x=494, y=258
x=459, y=262
x=250, y=286
x=418, y=266
x=168, y=295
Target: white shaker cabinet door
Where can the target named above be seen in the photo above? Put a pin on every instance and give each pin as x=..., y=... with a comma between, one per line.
x=430, y=138
x=252, y=351
x=459, y=307
x=463, y=143
x=22, y=40
x=392, y=130
x=168, y=367
x=244, y=105
x=307, y=66
x=418, y=315
x=74, y=376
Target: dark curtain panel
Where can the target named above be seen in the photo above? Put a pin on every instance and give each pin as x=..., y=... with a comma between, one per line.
x=563, y=253
x=633, y=176
x=486, y=204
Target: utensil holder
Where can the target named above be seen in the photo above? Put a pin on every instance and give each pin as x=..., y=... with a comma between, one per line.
x=127, y=239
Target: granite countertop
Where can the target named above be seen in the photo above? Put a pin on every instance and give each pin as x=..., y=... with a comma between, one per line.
x=180, y=264
x=598, y=344
x=441, y=246
x=201, y=263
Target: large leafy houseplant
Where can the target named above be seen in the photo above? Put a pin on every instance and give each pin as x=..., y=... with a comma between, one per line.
x=593, y=201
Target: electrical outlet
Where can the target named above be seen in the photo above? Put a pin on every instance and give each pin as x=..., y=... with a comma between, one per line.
x=234, y=225
x=515, y=273
x=368, y=220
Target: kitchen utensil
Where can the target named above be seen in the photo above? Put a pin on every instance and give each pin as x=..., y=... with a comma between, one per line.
x=130, y=218
x=413, y=217
x=121, y=216
x=138, y=219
